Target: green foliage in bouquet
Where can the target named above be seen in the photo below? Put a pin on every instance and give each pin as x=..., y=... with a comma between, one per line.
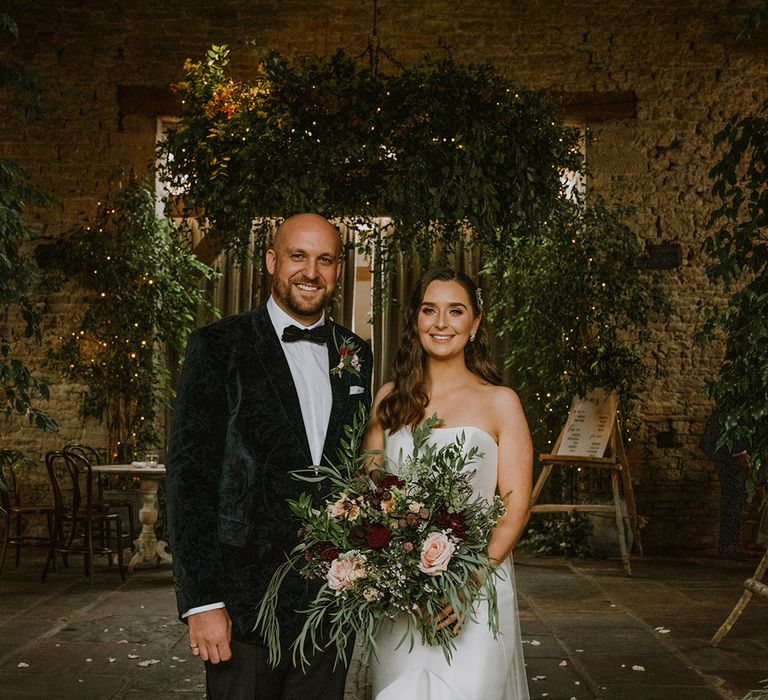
x=389, y=546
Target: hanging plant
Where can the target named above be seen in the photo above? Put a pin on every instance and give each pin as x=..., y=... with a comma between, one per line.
x=440, y=149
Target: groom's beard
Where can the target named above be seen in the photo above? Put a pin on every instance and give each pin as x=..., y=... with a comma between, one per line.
x=298, y=303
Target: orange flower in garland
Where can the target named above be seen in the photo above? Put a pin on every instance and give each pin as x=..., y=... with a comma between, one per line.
x=226, y=99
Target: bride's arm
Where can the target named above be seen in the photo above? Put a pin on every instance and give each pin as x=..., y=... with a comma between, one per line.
x=374, y=434
x=514, y=482
x=515, y=473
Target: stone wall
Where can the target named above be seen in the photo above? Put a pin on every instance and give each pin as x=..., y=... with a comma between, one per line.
x=680, y=59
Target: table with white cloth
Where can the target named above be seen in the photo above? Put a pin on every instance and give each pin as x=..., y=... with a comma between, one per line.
x=147, y=548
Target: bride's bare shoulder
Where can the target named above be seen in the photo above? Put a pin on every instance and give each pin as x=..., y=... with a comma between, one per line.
x=381, y=394
x=504, y=400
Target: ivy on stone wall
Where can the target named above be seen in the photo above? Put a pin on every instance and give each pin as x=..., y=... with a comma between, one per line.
x=142, y=289
x=22, y=390
x=738, y=250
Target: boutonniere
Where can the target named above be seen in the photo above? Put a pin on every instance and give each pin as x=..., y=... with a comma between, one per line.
x=349, y=360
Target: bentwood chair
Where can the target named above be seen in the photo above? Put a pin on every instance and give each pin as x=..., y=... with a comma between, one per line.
x=82, y=526
x=93, y=456
x=15, y=512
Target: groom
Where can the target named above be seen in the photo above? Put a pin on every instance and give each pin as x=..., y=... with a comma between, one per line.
x=261, y=394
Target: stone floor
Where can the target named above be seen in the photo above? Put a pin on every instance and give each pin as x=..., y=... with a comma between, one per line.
x=588, y=632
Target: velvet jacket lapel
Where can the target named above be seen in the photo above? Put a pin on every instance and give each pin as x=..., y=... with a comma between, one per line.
x=340, y=391
x=270, y=354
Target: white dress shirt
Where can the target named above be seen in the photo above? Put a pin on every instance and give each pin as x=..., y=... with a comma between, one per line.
x=312, y=377
x=311, y=374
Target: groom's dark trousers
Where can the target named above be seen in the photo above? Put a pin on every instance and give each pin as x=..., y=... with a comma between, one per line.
x=248, y=676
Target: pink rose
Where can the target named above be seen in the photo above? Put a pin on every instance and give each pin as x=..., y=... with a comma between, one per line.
x=344, y=571
x=436, y=552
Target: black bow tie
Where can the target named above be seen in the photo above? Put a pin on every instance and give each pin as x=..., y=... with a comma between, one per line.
x=318, y=334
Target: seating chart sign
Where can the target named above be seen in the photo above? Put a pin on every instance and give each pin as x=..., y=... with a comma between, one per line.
x=589, y=425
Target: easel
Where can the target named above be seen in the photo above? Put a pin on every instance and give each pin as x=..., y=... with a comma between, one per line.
x=591, y=438
x=751, y=585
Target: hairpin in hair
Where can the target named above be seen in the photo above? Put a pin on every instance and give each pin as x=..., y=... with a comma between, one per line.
x=479, y=298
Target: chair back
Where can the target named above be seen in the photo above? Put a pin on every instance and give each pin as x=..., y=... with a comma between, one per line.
x=71, y=481
x=10, y=495
x=81, y=524
x=84, y=451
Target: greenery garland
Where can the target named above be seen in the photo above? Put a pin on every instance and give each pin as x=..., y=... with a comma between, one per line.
x=439, y=149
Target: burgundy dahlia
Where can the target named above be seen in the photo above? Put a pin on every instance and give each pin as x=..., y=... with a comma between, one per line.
x=378, y=537
x=456, y=522
x=391, y=480
x=327, y=552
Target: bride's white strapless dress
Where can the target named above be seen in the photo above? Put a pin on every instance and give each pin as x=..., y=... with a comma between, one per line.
x=481, y=667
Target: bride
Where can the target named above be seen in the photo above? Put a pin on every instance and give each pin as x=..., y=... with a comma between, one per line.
x=442, y=368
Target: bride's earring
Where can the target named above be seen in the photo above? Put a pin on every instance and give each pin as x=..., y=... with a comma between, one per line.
x=472, y=337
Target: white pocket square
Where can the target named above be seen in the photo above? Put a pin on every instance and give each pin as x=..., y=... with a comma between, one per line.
x=356, y=390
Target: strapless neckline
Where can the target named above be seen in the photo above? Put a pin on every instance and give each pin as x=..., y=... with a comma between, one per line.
x=460, y=428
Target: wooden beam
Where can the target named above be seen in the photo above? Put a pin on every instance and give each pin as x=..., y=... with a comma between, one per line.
x=148, y=101
x=597, y=106
x=207, y=250
x=159, y=100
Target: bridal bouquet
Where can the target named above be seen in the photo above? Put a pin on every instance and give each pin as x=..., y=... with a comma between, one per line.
x=386, y=546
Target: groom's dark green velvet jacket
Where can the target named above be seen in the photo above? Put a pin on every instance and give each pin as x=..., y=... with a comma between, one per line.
x=237, y=434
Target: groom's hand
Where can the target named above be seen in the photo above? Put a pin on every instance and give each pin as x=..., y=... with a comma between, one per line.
x=209, y=635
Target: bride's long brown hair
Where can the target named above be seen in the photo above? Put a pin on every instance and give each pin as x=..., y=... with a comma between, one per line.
x=406, y=403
